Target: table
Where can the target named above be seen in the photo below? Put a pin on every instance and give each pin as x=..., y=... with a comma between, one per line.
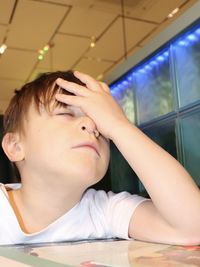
x=100, y=253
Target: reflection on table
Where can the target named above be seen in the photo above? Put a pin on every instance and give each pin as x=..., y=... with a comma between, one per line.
x=107, y=253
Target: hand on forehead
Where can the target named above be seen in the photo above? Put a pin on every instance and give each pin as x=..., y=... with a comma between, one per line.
x=94, y=99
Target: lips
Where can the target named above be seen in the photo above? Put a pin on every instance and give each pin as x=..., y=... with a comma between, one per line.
x=88, y=145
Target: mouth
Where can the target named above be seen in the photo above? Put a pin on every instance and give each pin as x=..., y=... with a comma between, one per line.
x=88, y=146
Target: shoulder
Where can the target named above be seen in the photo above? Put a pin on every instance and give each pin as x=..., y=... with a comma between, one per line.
x=113, y=210
x=13, y=186
x=111, y=199
x=3, y=189
x=7, y=187
x=10, y=186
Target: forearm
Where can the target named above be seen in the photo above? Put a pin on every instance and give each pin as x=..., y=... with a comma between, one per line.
x=171, y=188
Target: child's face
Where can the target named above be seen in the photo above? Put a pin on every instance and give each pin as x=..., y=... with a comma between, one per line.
x=50, y=147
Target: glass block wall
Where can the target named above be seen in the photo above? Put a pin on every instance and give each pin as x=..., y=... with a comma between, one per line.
x=161, y=95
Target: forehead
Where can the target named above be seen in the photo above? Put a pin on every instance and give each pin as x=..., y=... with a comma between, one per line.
x=51, y=109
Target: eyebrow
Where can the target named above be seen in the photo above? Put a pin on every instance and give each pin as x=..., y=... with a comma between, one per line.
x=64, y=107
x=58, y=105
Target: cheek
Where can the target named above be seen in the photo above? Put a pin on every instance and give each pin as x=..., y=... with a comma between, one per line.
x=106, y=152
x=39, y=143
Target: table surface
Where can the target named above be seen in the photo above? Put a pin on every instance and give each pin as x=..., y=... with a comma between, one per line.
x=100, y=253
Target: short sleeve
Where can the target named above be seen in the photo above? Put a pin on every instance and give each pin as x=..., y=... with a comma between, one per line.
x=120, y=209
x=112, y=212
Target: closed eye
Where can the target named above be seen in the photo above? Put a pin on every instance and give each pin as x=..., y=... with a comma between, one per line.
x=65, y=114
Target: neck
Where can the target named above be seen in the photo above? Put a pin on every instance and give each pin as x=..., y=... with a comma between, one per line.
x=33, y=200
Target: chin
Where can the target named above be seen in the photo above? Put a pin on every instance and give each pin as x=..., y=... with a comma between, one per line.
x=89, y=177
x=87, y=171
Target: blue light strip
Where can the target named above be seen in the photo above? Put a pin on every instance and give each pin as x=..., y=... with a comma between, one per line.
x=187, y=39
x=126, y=81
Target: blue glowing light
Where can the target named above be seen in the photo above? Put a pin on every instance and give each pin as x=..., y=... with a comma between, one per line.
x=130, y=78
x=197, y=31
x=125, y=82
x=192, y=37
x=153, y=63
x=148, y=67
x=166, y=54
x=160, y=58
x=182, y=43
x=142, y=70
x=157, y=60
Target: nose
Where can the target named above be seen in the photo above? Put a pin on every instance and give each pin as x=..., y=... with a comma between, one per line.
x=88, y=125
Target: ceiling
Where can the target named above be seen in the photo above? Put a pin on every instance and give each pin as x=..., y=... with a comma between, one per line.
x=69, y=27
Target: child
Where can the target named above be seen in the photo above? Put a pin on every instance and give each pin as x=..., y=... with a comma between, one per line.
x=57, y=132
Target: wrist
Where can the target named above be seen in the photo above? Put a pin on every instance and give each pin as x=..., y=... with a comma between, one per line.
x=119, y=128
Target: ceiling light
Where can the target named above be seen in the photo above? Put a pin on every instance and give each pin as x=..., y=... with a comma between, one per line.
x=43, y=51
x=40, y=57
x=2, y=48
x=92, y=44
x=46, y=48
x=173, y=12
x=93, y=41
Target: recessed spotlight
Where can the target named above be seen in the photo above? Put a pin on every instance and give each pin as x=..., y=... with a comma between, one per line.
x=3, y=48
x=43, y=51
x=93, y=41
x=173, y=12
x=92, y=44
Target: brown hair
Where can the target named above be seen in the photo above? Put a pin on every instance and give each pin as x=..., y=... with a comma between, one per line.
x=40, y=91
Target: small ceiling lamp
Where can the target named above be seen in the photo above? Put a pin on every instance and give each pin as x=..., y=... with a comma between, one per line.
x=173, y=13
x=43, y=51
x=3, y=48
x=93, y=42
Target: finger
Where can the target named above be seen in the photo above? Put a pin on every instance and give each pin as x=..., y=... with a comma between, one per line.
x=69, y=99
x=71, y=87
x=105, y=87
x=90, y=82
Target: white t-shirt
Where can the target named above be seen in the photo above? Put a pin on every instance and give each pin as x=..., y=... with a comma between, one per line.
x=98, y=215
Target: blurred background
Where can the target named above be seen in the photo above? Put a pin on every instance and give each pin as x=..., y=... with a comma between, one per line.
x=87, y=35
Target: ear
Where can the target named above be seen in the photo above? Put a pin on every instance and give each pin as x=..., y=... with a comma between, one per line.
x=12, y=147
